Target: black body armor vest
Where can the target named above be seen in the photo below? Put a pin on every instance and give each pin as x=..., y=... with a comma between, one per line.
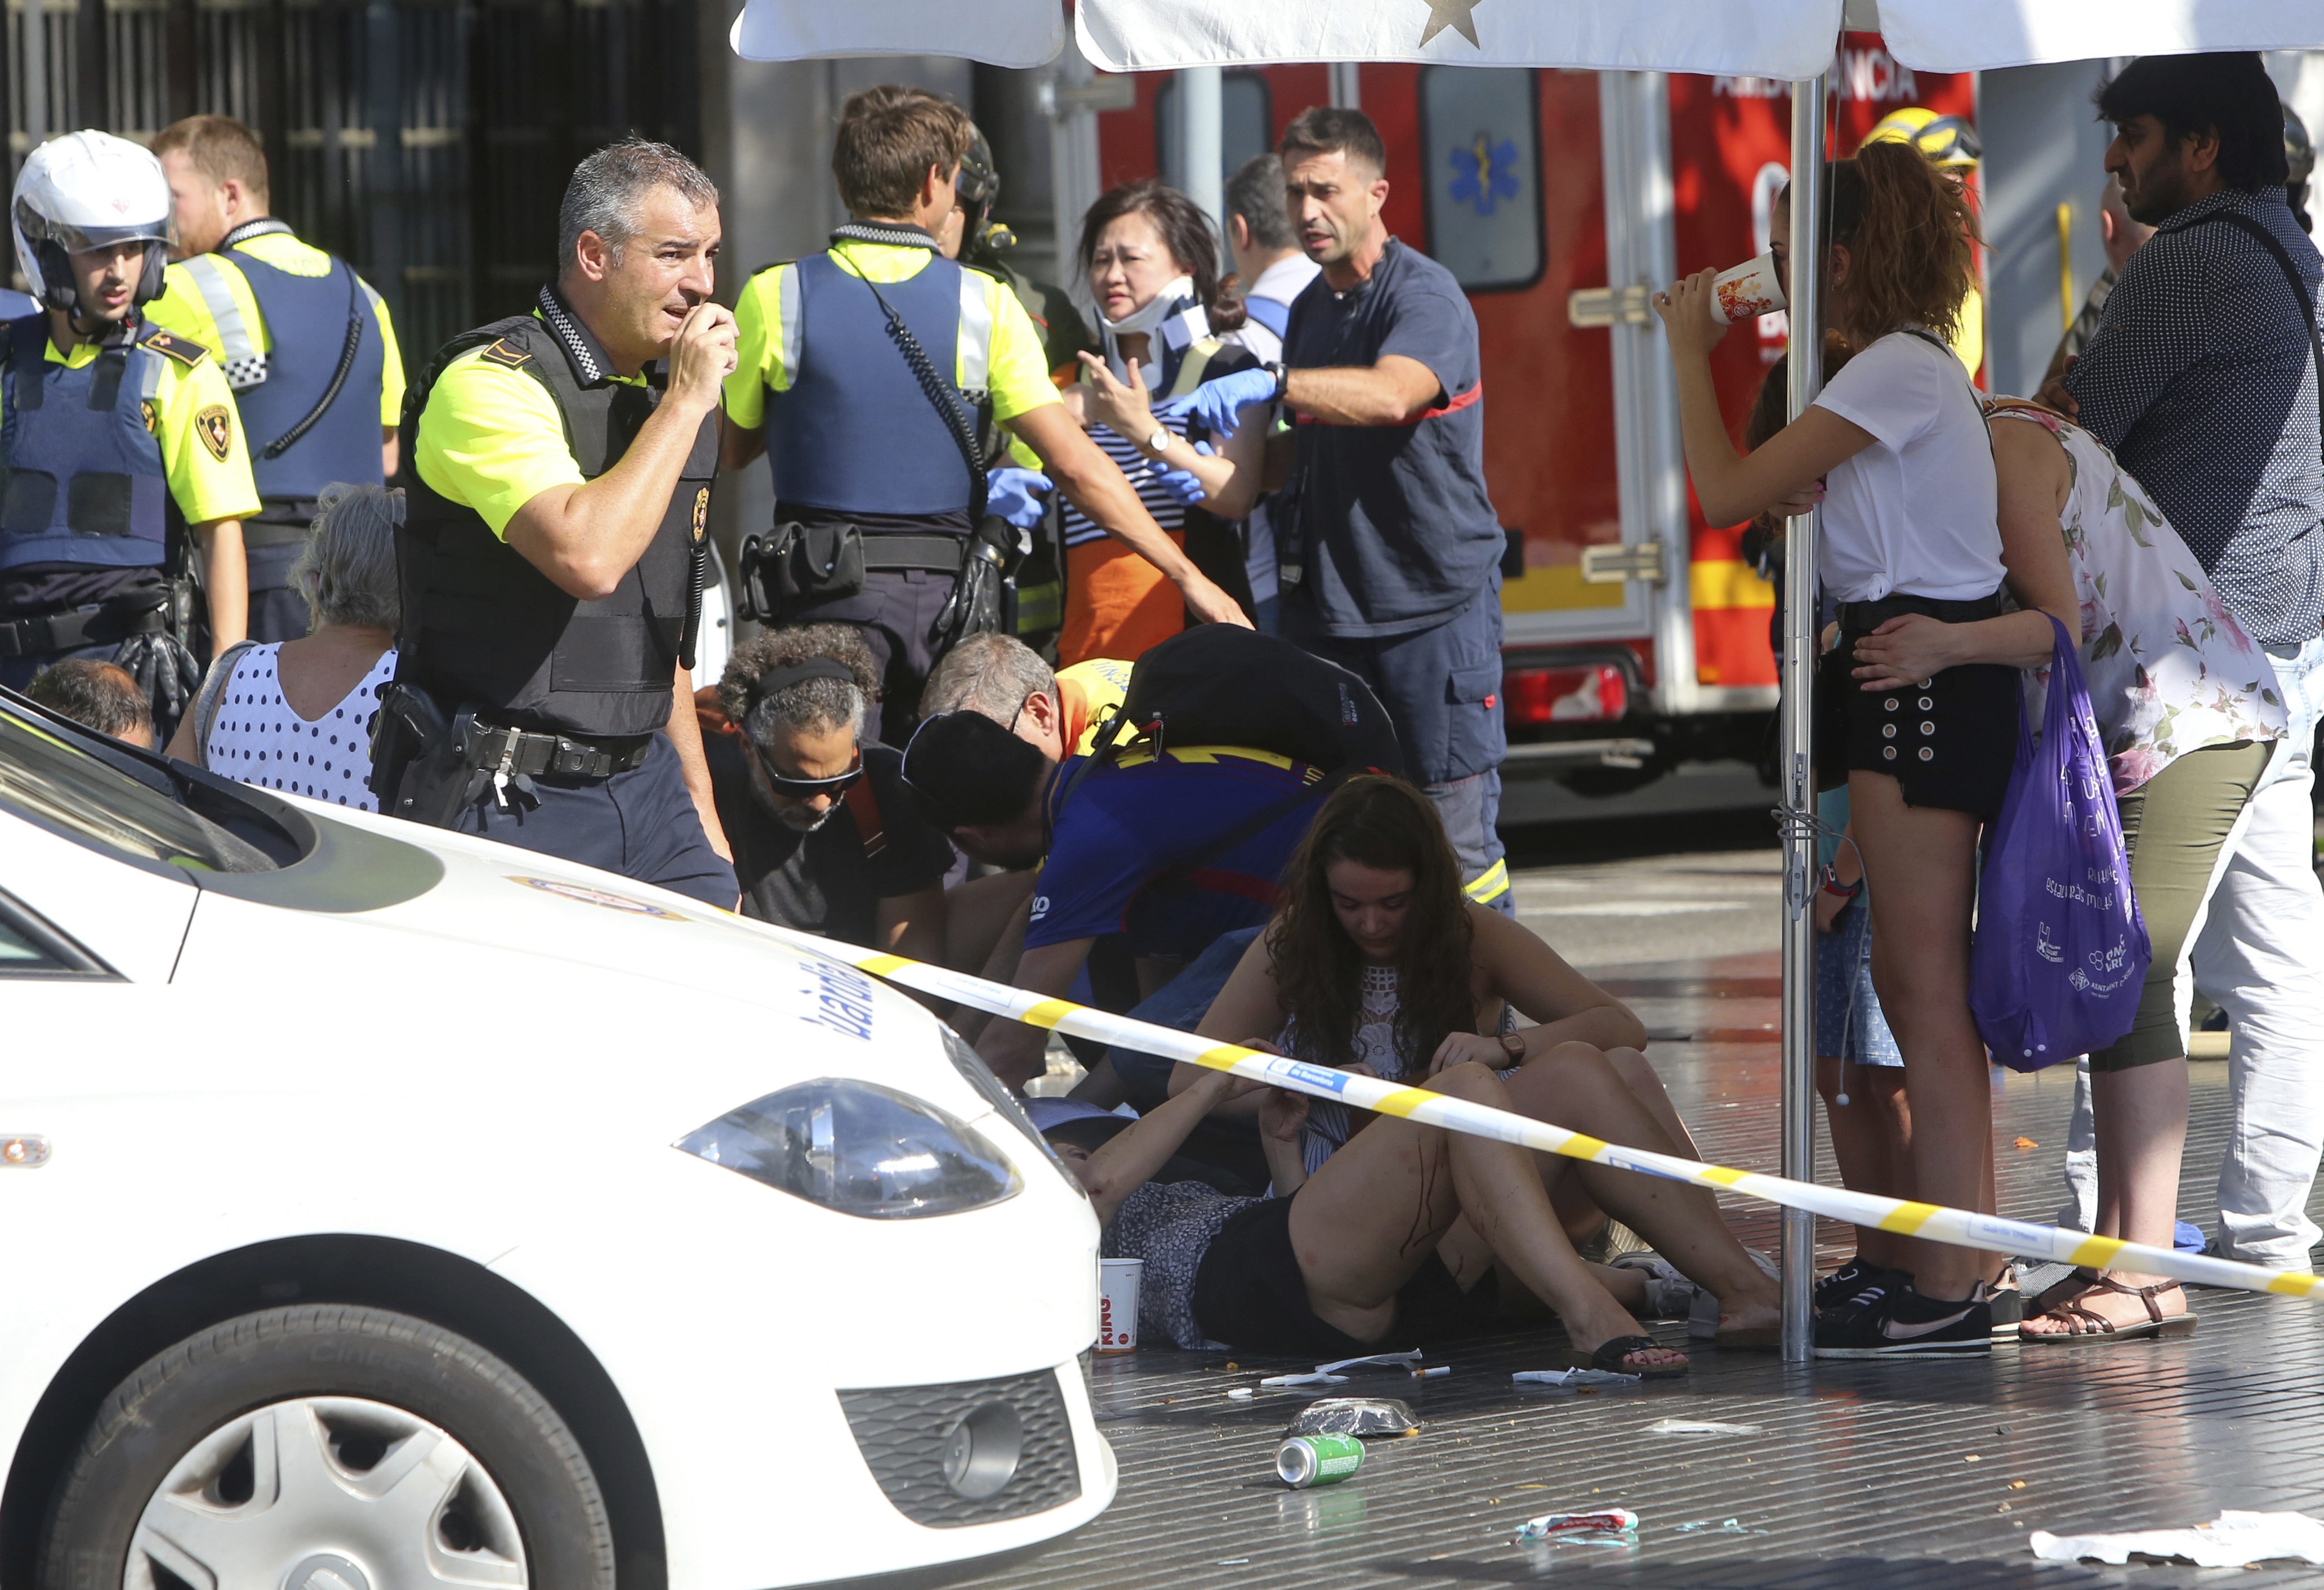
x=483, y=628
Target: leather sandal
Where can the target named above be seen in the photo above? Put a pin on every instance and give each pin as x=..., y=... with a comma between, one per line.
x=2073, y=1284
x=1609, y=1356
x=2091, y=1328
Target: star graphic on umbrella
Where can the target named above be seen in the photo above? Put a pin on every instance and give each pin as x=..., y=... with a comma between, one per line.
x=1457, y=14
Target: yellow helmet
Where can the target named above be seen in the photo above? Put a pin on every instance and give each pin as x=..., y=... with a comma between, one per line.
x=1948, y=141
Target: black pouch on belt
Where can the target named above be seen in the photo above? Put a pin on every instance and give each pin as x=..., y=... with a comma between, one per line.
x=800, y=564
x=416, y=770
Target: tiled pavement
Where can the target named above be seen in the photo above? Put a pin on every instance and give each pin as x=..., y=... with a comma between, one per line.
x=1863, y=1476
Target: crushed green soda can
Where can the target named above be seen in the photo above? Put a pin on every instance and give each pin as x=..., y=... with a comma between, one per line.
x=1318, y=1460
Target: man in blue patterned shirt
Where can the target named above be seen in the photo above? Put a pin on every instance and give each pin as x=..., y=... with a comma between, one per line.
x=2203, y=377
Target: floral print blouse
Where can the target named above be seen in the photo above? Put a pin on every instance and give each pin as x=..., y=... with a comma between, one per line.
x=2168, y=669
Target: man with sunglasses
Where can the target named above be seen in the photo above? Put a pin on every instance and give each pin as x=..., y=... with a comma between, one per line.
x=825, y=840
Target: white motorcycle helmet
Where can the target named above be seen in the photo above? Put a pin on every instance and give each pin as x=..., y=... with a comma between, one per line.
x=88, y=190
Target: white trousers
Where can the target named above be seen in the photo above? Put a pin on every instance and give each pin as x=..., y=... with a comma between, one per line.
x=2258, y=952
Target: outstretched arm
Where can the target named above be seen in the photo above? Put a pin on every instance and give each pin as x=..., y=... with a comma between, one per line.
x=1521, y=967
x=1128, y=1160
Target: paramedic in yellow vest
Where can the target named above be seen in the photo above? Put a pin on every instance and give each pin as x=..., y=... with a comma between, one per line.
x=306, y=344
x=873, y=497
x=1951, y=145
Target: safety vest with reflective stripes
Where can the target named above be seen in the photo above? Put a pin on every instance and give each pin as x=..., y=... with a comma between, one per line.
x=853, y=432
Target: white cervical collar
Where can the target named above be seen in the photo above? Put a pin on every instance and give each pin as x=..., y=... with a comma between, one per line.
x=1174, y=312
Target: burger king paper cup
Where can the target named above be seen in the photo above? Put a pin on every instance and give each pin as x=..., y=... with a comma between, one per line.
x=1747, y=292
x=1117, y=1304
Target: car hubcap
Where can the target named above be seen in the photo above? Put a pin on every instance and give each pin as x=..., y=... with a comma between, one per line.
x=325, y=1493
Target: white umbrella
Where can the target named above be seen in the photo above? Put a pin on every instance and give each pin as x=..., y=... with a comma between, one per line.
x=999, y=33
x=1976, y=35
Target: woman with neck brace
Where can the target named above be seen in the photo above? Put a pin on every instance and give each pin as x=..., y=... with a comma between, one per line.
x=1151, y=258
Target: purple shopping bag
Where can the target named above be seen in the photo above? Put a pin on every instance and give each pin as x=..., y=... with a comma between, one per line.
x=2061, y=951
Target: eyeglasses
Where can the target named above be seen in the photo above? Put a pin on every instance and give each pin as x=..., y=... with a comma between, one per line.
x=807, y=790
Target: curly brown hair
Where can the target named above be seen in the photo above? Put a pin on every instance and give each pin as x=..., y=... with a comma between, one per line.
x=1383, y=822
x=816, y=705
x=1910, y=235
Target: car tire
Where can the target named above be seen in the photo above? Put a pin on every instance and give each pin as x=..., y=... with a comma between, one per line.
x=449, y=1467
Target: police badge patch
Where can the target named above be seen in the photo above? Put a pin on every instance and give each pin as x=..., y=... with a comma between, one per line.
x=150, y=413
x=701, y=512
x=216, y=427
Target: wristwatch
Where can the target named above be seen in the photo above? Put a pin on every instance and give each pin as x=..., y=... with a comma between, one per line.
x=1838, y=890
x=1154, y=444
x=1282, y=373
x=1513, y=1046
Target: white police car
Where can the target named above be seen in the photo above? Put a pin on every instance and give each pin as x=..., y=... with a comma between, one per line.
x=383, y=1208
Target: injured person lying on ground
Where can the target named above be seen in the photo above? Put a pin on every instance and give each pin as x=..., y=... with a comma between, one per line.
x=1375, y=962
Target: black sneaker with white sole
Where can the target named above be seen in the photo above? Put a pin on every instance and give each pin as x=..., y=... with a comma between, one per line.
x=1893, y=1321
x=2009, y=1300
x=1844, y=1285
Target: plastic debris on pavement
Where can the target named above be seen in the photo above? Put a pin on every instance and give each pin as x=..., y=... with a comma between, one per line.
x=1724, y=1526
x=1314, y=1378
x=1701, y=1427
x=1573, y=1377
x=2231, y=1540
x=1579, y=1526
x=1354, y=1416
x=1390, y=1361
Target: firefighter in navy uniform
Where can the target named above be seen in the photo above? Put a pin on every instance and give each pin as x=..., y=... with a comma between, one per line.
x=553, y=551
x=871, y=427
x=115, y=436
x=306, y=344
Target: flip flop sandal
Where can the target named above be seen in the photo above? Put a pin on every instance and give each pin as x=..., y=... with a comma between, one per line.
x=2155, y=1327
x=1609, y=1354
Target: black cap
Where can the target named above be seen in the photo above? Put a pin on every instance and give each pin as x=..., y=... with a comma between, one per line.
x=965, y=770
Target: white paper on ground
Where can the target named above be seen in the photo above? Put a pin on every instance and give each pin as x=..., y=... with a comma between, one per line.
x=1572, y=1377
x=1699, y=1427
x=2231, y=1540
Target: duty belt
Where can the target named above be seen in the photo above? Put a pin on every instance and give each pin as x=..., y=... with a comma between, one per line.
x=96, y=624
x=885, y=551
x=526, y=753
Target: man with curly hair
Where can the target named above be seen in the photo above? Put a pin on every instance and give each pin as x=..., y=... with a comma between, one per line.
x=824, y=838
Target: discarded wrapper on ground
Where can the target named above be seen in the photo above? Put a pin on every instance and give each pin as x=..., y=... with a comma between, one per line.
x=2231, y=1540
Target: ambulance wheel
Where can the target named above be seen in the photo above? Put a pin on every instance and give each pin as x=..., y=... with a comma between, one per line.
x=327, y=1448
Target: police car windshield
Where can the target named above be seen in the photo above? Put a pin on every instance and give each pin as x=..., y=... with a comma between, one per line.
x=46, y=776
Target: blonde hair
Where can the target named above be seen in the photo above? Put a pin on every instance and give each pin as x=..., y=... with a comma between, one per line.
x=346, y=571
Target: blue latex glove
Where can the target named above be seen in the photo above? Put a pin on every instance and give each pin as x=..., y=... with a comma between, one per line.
x=1218, y=404
x=1182, y=483
x=1017, y=495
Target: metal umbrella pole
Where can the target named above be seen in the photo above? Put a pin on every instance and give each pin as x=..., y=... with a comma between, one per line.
x=1805, y=371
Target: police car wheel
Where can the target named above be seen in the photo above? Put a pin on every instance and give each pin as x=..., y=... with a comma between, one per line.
x=324, y=1447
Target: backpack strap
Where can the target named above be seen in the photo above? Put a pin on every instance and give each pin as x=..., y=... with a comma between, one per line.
x=863, y=804
x=2300, y=293
x=213, y=691
x=1196, y=360
x=1271, y=313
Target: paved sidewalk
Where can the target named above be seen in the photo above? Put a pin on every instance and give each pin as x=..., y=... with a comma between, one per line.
x=1864, y=1476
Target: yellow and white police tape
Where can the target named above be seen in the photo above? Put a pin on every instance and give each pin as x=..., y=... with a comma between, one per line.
x=1929, y=1221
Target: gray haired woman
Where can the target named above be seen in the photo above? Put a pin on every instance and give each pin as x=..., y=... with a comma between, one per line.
x=297, y=716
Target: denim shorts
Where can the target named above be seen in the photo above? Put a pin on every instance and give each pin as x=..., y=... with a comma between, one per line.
x=1847, y=1019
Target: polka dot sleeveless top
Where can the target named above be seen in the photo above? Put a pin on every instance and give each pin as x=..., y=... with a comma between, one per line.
x=257, y=737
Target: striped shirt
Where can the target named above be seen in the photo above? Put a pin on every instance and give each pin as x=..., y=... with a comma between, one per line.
x=1144, y=477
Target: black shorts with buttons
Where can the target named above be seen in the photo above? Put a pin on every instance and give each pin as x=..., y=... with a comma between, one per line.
x=1951, y=741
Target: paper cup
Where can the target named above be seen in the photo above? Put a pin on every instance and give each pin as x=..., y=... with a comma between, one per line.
x=1117, y=1304
x=1747, y=292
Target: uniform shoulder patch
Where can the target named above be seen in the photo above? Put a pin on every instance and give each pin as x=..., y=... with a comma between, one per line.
x=185, y=350
x=215, y=426
x=506, y=353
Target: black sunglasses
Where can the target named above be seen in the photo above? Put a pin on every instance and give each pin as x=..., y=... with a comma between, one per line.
x=806, y=789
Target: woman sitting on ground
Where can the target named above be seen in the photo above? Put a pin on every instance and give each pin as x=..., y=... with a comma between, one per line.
x=1393, y=1243
x=1378, y=963
x=296, y=716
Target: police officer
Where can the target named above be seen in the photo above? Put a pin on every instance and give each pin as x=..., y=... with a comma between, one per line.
x=553, y=551
x=871, y=456
x=110, y=424
x=306, y=344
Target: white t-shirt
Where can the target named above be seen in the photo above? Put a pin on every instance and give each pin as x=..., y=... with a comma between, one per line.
x=1914, y=514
